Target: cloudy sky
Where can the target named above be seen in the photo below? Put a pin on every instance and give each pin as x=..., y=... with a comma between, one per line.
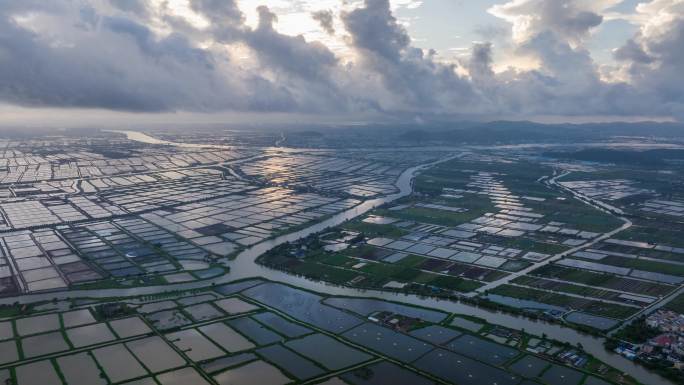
x=142, y=61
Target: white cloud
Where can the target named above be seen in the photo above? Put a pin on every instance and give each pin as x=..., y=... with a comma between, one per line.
x=653, y=59
x=222, y=55
x=570, y=19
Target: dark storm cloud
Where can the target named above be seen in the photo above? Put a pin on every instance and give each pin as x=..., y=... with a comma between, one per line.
x=418, y=81
x=373, y=28
x=290, y=53
x=33, y=72
x=480, y=64
x=305, y=68
x=226, y=19
x=130, y=55
x=120, y=64
x=571, y=20
x=632, y=52
x=655, y=60
x=136, y=7
x=567, y=80
x=326, y=19
x=305, y=71
x=218, y=11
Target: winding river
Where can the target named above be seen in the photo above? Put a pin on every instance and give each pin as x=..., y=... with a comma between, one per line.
x=244, y=266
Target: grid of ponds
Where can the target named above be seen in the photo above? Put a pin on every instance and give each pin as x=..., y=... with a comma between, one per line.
x=129, y=247
x=224, y=224
x=246, y=341
x=355, y=177
x=40, y=260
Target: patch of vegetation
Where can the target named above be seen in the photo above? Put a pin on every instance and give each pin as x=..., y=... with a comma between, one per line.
x=411, y=260
x=324, y=273
x=14, y=310
x=647, y=158
x=676, y=304
x=529, y=244
x=602, y=280
x=637, y=332
x=374, y=230
x=586, y=305
x=454, y=283
x=655, y=232
x=644, y=264
x=561, y=287
x=433, y=216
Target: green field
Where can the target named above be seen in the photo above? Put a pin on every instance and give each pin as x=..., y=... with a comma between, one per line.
x=655, y=231
x=644, y=264
x=433, y=216
x=374, y=230
x=521, y=178
x=528, y=244
x=576, y=215
x=602, y=280
x=677, y=304
x=338, y=268
x=561, y=287
x=586, y=305
x=324, y=272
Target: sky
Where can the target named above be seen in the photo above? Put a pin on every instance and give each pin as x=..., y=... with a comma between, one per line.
x=128, y=62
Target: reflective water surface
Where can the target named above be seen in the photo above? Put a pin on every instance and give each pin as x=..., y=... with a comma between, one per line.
x=244, y=266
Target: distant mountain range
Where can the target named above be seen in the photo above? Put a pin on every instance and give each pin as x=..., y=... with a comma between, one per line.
x=518, y=132
x=648, y=158
x=467, y=132
x=424, y=133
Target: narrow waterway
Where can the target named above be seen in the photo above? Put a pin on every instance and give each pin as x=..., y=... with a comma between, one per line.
x=244, y=266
